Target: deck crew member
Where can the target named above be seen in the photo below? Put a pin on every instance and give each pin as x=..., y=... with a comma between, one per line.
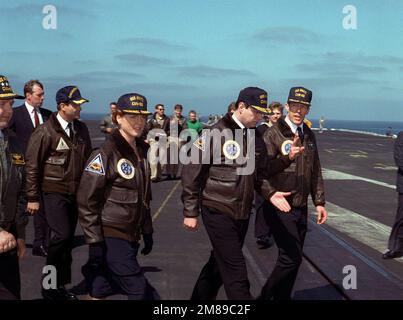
x=106, y=125
x=157, y=135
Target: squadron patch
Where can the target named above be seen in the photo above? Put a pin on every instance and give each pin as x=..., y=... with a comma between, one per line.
x=126, y=169
x=96, y=165
x=201, y=142
x=62, y=145
x=231, y=149
x=18, y=159
x=286, y=147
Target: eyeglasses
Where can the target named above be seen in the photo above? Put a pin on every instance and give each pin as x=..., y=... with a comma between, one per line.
x=161, y=109
x=298, y=107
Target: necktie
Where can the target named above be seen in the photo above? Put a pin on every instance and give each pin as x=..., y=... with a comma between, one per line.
x=71, y=132
x=300, y=135
x=36, y=118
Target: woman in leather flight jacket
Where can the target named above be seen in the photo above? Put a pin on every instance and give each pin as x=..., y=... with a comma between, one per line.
x=113, y=198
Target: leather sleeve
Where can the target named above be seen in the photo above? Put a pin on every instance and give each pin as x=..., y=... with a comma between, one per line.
x=91, y=199
x=147, y=227
x=37, y=150
x=194, y=177
x=317, y=186
x=148, y=223
x=167, y=127
x=271, y=163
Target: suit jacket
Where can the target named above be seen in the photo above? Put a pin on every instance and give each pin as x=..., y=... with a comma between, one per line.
x=22, y=125
x=398, y=154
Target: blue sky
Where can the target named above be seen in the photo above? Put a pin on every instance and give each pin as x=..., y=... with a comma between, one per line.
x=201, y=53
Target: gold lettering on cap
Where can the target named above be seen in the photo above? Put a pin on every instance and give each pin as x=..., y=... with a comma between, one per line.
x=132, y=98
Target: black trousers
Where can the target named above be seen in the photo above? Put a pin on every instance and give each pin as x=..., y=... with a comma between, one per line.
x=396, y=235
x=119, y=274
x=10, y=283
x=41, y=228
x=289, y=231
x=261, y=226
x=61, y=215
x=226, y=265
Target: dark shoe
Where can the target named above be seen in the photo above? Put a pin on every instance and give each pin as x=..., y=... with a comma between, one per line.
x=60, y=294
x=39, y=251
x=391, y=254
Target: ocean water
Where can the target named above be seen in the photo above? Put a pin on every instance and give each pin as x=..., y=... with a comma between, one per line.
x=379, y=127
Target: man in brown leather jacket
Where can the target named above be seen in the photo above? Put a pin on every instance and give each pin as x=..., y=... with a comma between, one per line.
x=287, y=216
x=56, y=154
x=223, y=191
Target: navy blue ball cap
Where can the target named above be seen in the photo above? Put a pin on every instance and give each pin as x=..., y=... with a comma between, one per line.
x=133, y=103
x=70, y=94
x=6, y=92
x=300, y=95
x=254, y=97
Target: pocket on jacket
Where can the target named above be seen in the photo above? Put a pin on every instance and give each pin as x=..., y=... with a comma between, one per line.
x=121, y=206
x=222, y=184
x=123, y=196
x=54, y=168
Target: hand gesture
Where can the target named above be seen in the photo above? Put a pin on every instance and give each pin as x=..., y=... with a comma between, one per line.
x=280, y=202
x=296, y=148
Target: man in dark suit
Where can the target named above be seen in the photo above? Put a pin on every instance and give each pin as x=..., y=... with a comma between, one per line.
x=395, y=244
x=23, y=122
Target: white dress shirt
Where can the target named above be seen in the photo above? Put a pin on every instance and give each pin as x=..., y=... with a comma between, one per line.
x=64, y=124
x=31, y=111
x=239, y=123
x=293, y=126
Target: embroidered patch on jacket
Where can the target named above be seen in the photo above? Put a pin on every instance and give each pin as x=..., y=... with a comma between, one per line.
x=125, y=169
x=286, y=147
x=231, y=149
x=96, y=165
x=201, y=142
x=62, y=145
x=18, y=159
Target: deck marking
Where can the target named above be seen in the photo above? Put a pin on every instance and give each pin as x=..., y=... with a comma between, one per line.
x=157, y=213
x=338, y=175
x=363, y=229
